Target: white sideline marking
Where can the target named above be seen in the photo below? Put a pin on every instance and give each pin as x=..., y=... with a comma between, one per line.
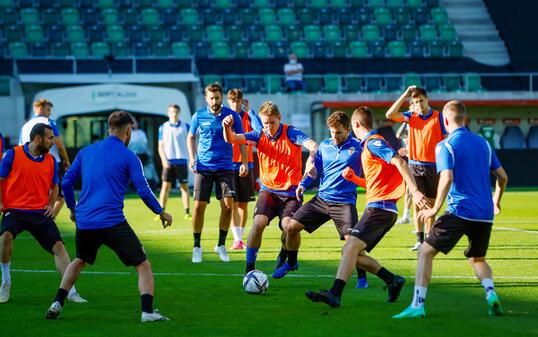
x=514, y=230
x=111, y=273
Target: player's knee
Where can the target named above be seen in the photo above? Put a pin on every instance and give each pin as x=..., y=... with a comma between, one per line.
x=58, y=248
x=6, y=237
x=295, y=226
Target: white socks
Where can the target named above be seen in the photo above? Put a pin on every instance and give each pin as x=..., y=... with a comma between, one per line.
x=238, y=233
x=487, y=283
x=406, y=213
x=241, y=233
x=6, y=274
x=419, y=296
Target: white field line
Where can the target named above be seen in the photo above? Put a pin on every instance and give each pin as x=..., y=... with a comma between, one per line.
x=115, y=273
x=514, y=230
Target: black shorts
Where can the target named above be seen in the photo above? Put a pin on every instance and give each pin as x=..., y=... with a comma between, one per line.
x=244, y=187
x=224, y=184
x=426, y=178
x=179, y=172
x=317, y=211
x=120, y=238
x=273, y=205
x=42, y=228
x=373, y=226
x=448, y=230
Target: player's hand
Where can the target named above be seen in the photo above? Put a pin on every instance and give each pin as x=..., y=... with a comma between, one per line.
x=166, y=165
x=166, y=219
x=420, y=200
x=409, y=90
x=496, y=209
x=299, y=192
x=425, y=214
x=402, y=151
x=348, y=173
x=72, y=215
x=66, y=164
x=192, y=165
x=48, y=211
x=243, y=170
x=310, y=169
x=228, y=121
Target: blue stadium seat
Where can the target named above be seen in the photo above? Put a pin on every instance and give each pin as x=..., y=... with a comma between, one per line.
x=373, y=84
x=325, y=16
x=432, y=83
x=175, y=33
x=532, y=137
x=135, y=34
x=320, y=49
x=513, y=138
x=170, y=16
x=280, y=49
x=55, y=33
x=201, y=49
x=95, y=33
x=345, y=16
x=393, y=84
x=59, y=49
x=421, y=16
x=39, y=49
x=141, y=49
x=233, y=82
x=254, y=84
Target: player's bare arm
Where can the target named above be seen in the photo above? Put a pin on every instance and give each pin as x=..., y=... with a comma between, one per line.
x=191, y=148
x=500, y=186
x=243, y=169
x=418, y=198
x=310, y=168
x=229, y=135
x=394, y=111
x=62, y=151
x=53, y=196
x=162, y=155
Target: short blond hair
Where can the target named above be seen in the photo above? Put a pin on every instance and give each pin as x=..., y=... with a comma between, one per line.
x=269, y=108
x=42, y=102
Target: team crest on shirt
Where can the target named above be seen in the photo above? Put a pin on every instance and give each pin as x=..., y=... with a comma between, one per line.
x=377, y=143
x=351, y=150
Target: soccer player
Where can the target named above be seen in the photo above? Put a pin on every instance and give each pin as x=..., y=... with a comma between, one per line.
x=106, y=168
x=336, y=198
x=426, y=129
x=280, y=160
x=384, y=172
x=29, y=188
x=244, y=185
x=42, y=111
x=211, y=161
x=464, y=161
x=174, y=155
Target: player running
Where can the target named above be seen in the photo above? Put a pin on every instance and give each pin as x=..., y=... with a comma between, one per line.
x=280, y=158
x=384, y=172
x=464, y=161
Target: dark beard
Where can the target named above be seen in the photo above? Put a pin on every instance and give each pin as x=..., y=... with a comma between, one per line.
x=42, y=149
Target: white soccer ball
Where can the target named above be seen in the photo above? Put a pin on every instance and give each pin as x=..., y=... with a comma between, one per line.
x=255, y=282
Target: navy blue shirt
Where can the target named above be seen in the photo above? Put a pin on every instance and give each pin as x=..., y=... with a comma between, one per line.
x=330, y=161
x=105, y=168
x=214, y=153
x=471, y=159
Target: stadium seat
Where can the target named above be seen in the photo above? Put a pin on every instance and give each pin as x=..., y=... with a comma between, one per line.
x=220, y=50
x=532, y=137
x=189, y=16
x=110, y=16
x=181, y=50
x=338, y=50
x=105, y=3
x=378, y=49
x=243, y=3
x=135, y=33
x=156, y=34
x=59, y=49
x=432, y=83
x=428, y=33
x=55, y=33
x=455, y=49
x=254, y=33
x=358, y=49
x=396, y=49
x=395, y=4
x=452, y=82
x=473, y=83
x=364, y=15
x=274, y=83
x=259, y=50
x=286, y=16
x=247, y=16
x=305, y=16
x=344, y=16
x=280, y=49
x=300, y=49
x=43, y=4
x=114, y=33
x=411, y=79
x=325, y=16
x=370, y=33
x=437, y=49
x=267, y=16
x=10, y=16
x=201, y=49
x=512, y=138
x=7, y=3
x=281, y=3
x=261, y=3
x=409, y=32
x=314, y=84
x=439, y=16
x=90, y=17
x=34, y=33
x=141, y=49
x=150, y=17
x=353, y=84
x=331, y=83
x=375, y=3
x=100, y=49
x=66, y=3
x=131, y=17
x=203, y=3
x=357, y=3
x=70, y=16
x=383, y=16
x=235, y=33
x=421, y=16
x=373, y=84
x=240, y=50
x=95, y=34
x=351, y=33
x=214, y=33
x=50, y=16
x=415, y=3
x=223, y=3
x=229, y=16
x=175, y=33
x=39, y=49
x=233, y=82
x=417, y=49
x=80, y=50
x=273, y=33
x=402, y=16
x=390, y=32
x=29, y=16
x=13, y=34
x=447, y=33
x=293, y=33
x=75, y=34
x=18, y=50
x=120, y=49
x=320, y=50
x=317, y=3
x=195, y=33
x=331, y=33
x=393, y=83
x=210, y=16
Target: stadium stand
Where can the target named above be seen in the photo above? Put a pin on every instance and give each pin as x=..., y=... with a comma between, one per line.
x=513, y=138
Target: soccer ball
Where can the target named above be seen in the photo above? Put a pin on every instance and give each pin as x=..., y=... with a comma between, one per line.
x=255, y=282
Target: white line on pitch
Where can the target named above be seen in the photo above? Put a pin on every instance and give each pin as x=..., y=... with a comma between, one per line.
x=110, y=273
x=514, y=230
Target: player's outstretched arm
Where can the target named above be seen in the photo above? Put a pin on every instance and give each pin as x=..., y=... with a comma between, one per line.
x=229, y=135
x=394, y=111
x=310, y=167
x=62, y=151
x=500, y=186
x=350, y=175
x=1, y=202
x=162, y=154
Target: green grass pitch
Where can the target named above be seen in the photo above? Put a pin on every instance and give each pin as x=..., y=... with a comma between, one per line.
x=207, y=299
